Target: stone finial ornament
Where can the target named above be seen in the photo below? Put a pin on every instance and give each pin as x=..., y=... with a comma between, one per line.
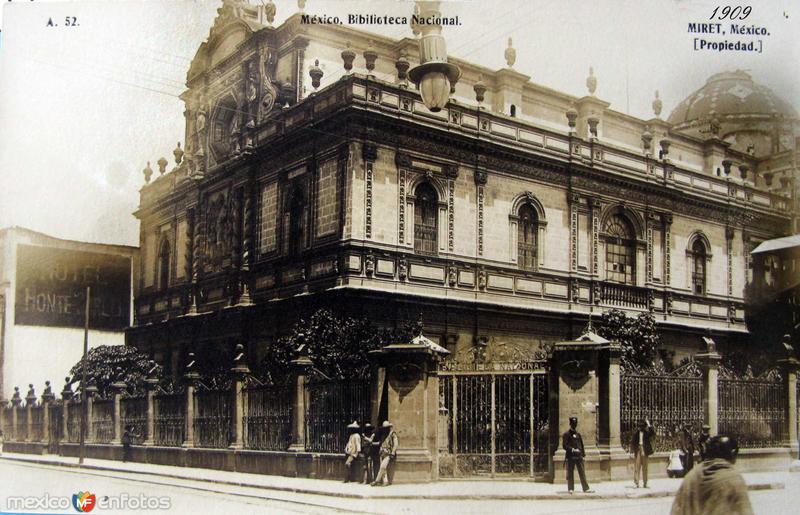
x=162, y=165
x=316, y=74
x=301, y=5
x=665, y=143
x=178, y=153
x=480, y=89
x=402, y=66
x=148, y=172
x=743, y=169
x=593, y=121
x=370, y=55
x=657, y=105
x=647, y=140
x=348, y=56
x=510, y=54
x=269, y=11
x=572, y=116
x=591, y=81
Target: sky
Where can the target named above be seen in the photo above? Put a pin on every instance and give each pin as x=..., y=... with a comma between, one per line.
x=83, y=108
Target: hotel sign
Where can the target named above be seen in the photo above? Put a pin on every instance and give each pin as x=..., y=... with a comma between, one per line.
x=51, y=288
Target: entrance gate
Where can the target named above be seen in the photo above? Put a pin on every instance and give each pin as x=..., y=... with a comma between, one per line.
x=493, y=424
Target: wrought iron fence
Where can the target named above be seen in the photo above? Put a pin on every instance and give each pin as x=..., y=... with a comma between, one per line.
x=36, y=423
x=753, y=411
x=493, y=424
x=133, y=413
x=332, y=405
x=102, y=420
x=169, y=429
x=74, y=422
x=55, y=426
x=21, y=431
x=268, y=418
x=212, y=418
x=668, y=400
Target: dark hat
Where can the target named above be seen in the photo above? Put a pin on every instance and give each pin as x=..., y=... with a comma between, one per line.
x=722, y=447
x=368, y=426
x=706, y=427
x=573, y=419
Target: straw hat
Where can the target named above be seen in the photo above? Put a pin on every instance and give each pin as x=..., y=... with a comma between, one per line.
x=354, y=425
x=386, y=423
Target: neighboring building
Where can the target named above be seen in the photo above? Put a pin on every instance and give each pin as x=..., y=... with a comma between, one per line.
x=43, y=284
x=506, y=221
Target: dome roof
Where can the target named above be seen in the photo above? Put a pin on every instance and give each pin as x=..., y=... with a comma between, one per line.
x=730, y=94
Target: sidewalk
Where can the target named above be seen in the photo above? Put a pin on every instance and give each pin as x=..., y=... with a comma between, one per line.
x=442, y=490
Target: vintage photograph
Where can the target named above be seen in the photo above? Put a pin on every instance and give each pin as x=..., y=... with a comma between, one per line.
x=399, y=257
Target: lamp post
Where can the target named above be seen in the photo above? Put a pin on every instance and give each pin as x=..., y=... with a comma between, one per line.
x=434, y=75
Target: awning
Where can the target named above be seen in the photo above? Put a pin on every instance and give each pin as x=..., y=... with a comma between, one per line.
x=786, y=242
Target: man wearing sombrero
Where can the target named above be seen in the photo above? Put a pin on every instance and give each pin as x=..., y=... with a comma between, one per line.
x=352, y=450
x=388, y=453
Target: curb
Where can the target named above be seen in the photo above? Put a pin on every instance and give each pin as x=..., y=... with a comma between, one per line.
x=563, y=496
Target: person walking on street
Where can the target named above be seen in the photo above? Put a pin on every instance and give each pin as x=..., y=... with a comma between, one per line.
x=572, y=442
x=367, y=439
x=127, y=441
x=642, y=448
x=702, y=440
x=388, y=454
x=714, y=487
x=687, y=447
x=352, y=450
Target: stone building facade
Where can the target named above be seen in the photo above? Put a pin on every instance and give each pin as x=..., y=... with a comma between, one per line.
x=313, y=175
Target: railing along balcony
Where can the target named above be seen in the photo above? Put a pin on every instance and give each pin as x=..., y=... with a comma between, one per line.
x=623, y=295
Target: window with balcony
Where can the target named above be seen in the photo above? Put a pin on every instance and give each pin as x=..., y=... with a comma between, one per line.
x=163, y=265
x=620, y=239
x=426, y=212
x=699, y=259
x=527, y=229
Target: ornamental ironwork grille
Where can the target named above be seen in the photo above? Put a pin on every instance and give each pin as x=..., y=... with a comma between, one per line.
x=268, y=418
x=37, y=414
x=753, y=412
x=5, y=421
x=55, y=427
x=332, y=405
x=526, y=238
x=212, y=418
x=493, y=425
x=21, y=431
x=168, y=425
x=668, y=400
x=74, y=422
x=426, y=212
x=133, y=413
x=620, y=250
x=103, y=420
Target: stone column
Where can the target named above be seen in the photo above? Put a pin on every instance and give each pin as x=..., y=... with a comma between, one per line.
x=117, y=388
x=151, y=383
x=709, y=361
x=90, y=392
x=16, y=400
x=789, y=367
x=191, y=378
x=301, y=366
x=412, y=405
x=66, y=397
x=239, y=372
x=30, y=402
x=47, y=400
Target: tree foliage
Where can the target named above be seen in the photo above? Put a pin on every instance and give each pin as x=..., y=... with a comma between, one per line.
x=107, y=364
x=638, y=337
x=337, y=346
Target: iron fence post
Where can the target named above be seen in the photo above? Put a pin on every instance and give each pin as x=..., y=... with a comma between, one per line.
x=191, y=378
x=789, y=369
x=66, y=396
x=16, y=400
x=301, y=365
x=117, y=388
x=30, y=402
x=239, y=372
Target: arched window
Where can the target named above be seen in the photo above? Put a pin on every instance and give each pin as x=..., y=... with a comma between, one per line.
x=620, y=250
x=527, y=229
x=163, y=265
x=699, y=258
x=426, y=208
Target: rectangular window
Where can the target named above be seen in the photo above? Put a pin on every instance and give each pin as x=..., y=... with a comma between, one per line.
x=327, y=208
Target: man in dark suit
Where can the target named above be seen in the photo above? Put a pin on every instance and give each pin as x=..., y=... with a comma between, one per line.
x=572, y=443
x=642, y=448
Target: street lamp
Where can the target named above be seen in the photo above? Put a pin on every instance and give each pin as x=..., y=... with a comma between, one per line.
x=434, y=75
